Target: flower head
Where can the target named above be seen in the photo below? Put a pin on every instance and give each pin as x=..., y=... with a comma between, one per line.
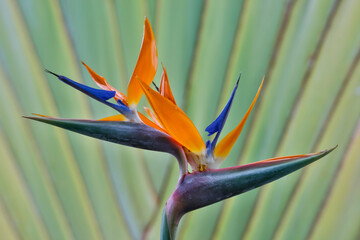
x=145, y=69
x=167, y=117
x=172, y=131
x=200, y=156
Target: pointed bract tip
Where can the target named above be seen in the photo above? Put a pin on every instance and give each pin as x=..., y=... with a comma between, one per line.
x=36, y=117
x=331, y=149
x=85, y=65
x=146, y=21
x=48, y=71
x=41, y=115
x=88, y=68
x=164, y=69
x=237, y=82
x=326, y=151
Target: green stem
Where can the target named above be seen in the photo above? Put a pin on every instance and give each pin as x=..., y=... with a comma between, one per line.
x=165, y=234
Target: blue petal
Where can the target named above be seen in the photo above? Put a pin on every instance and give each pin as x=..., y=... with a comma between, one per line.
x=98, y=94
x=123, y=108
x=207, y=144
x=219, y=122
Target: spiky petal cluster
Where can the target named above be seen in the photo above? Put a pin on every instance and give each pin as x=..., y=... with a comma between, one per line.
x=172, y=131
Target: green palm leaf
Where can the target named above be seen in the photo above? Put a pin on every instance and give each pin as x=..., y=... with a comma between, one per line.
x=60, y=185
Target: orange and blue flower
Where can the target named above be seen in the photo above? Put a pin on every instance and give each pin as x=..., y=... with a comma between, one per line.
x=171, y=130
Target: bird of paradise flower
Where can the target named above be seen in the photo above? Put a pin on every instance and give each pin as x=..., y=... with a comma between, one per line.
x=171, y=130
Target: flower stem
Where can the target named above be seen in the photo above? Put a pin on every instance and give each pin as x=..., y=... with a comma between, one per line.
x=165, y=234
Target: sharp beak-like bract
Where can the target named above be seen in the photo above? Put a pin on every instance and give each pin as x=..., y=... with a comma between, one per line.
x=171, y=130
x=201, y=189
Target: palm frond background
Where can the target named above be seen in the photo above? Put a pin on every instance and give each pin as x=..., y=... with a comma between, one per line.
x=59, y=185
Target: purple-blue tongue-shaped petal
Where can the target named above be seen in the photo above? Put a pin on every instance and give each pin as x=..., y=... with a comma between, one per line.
x=98, y=94
x=217, y=125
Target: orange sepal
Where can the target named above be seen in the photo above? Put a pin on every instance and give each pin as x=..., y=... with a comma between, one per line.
x=150, y=123
x=41, y=115
x=102, y=83
x=293, y=157
x=165, y=89
x=145, y=67
x=223, y=148
x=118, y=117
x=152, y=116
x=174, y=120
x=121, y=117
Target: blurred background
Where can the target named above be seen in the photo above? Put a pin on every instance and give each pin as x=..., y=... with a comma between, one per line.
x=60, y=185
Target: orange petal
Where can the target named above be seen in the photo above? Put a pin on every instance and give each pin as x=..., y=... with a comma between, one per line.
x=118, y=117
x=153, y=116
x=150, y=123
x=293, y=157
x=40, y=115
x=165, y=89
x=223, y=148
x=146, y=65
x=174, y=120
x=102, y=83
